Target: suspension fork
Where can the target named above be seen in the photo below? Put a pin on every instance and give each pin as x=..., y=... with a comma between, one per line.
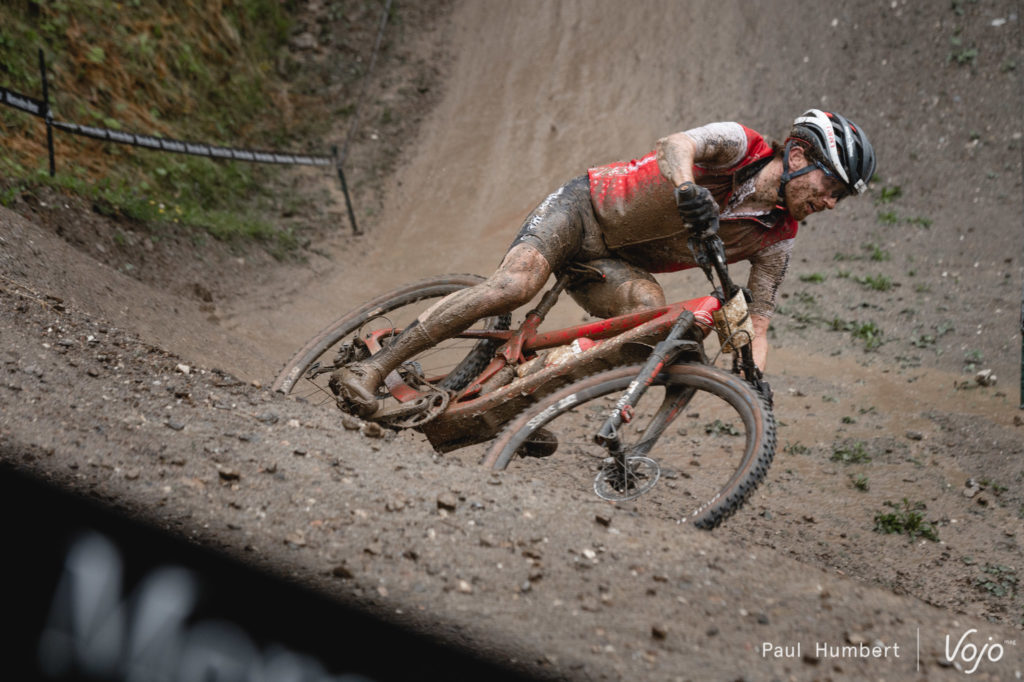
x=667, y=350
x=710, y=255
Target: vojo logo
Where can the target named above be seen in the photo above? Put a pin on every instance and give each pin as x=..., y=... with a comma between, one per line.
x=968, y=655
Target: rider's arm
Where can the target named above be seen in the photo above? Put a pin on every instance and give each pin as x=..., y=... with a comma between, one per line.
x=767, y=270
x=759, y=345
x=716, y=145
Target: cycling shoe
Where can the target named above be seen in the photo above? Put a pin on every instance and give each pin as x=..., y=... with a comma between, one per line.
x=356, y=388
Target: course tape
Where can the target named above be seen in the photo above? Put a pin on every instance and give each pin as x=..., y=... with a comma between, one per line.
x=38, y=108
x=23, y=102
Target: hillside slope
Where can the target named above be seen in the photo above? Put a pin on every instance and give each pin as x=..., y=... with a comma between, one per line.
x=519, y=566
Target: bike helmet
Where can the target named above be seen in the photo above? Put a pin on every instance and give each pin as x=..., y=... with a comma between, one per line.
x=840, y=143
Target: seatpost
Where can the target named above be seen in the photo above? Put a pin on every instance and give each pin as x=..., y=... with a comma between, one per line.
x=513, y=351
x=550, y=297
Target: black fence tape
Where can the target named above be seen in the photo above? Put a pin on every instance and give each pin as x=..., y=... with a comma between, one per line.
x=23, y=102
x=38, y=108
x=41, y=108
x=193, y=148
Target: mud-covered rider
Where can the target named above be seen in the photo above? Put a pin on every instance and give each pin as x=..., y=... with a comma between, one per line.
x=627, y=220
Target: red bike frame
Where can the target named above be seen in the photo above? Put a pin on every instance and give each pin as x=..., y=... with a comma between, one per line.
x=472, y=418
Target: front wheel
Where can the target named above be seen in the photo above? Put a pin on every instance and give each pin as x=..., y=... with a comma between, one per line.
x=451, y=363
x=710, y=434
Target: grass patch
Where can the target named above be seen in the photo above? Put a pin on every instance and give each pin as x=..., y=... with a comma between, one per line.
x=855, y=452
x=868, y=332
x=860, y=482
x=998, y=580
x=906, y=519
x=870, y=251
x=720, y=428
x=204, y=72
x=876, y=253
x=876, y=282
x=891, y=218
x=888, y=217
x=796, y=449
x=961, y=54
x=888, y=194
x=929, y=340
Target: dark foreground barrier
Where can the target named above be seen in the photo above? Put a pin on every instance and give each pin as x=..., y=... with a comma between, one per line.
x=94, y=595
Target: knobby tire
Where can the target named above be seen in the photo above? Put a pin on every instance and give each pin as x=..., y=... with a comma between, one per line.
x=728, y=395
x=322, y=346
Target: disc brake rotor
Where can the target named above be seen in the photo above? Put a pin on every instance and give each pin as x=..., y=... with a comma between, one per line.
x=617, y=483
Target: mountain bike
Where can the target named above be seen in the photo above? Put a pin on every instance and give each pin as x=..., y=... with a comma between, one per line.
x=633, y=400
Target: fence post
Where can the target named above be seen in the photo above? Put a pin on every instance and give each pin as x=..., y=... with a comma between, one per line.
x=48, y=113
x=344, y=189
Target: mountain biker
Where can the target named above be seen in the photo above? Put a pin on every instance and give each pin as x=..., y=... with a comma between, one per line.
x=624, y=221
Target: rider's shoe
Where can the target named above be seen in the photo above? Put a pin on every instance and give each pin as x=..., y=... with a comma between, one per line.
x=356, y=387
x=356, y=384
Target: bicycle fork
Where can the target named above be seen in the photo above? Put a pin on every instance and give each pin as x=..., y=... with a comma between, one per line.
x=620, y=474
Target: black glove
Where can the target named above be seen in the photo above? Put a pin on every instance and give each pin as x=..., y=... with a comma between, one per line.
x=697, y=208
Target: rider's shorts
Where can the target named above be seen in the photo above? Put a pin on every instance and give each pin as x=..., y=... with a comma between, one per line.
x=563, y=228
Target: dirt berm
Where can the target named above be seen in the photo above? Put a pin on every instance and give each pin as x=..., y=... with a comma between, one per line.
x=142, y=387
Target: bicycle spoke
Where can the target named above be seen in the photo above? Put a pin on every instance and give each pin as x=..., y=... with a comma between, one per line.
x=698, y=441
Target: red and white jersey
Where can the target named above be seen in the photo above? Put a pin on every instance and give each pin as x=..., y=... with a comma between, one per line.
x=636, y=209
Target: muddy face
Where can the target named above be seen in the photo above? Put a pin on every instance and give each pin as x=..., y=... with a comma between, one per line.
x=811, y=192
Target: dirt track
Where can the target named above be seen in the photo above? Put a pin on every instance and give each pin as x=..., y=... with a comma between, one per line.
x=521, y=568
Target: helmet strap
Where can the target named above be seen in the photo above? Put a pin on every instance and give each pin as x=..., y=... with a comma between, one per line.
x=787, y=174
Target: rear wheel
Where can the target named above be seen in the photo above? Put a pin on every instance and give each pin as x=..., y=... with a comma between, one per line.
x=451, y=363
x=709, y=462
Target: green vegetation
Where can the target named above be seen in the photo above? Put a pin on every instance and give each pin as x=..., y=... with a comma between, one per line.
x=930, y=340
x=998, y=580
x=868, y=332
x=720, y=428
x=889, y=194
x=204, y=72
x=906, y=519
x=871, y=251
x=854, y=452
x=876, y=282
x=890, y=217
x=959, y=53
x=796, y=449
x=860, y=482
x=876, y=253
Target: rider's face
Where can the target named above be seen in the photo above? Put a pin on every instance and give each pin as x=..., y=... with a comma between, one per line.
x=811, y=192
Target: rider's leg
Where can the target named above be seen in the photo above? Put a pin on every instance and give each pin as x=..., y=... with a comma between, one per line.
x=622, y=288
x=518, y=279
x=553, y=233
